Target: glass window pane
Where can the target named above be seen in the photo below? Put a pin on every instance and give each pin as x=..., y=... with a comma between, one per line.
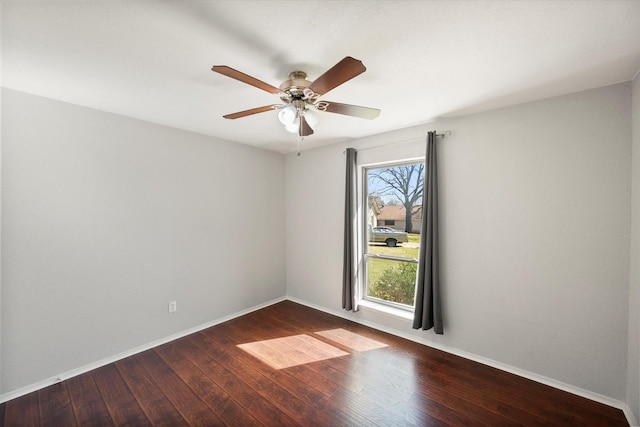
x=391, y=280
x=393, y=221
x=395, y=196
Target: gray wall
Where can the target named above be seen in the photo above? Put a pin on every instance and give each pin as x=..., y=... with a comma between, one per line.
x=107, y=218
x=535, y=208
x=633, y=376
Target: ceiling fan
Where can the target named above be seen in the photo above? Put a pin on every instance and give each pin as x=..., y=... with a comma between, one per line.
x=300, y=96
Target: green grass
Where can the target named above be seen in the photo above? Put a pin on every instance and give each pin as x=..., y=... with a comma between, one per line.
x=400, y=251
x=376, y=267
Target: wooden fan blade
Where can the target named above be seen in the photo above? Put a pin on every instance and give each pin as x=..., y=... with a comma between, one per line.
x=343, y=71
x=245, y=78
x=305, y=129
x=252, y=111
x=348, y=109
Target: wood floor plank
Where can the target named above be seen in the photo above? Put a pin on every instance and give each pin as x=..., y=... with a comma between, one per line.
x=366, y=404
x=542, y=402
x=481, y=416
x=262, y=380
x=446, y=414
x=88, y=404
x=328, y=368
x=394, y=374
x=558, y=404
x=514, y=399
x=23, y=411
x=262, y=408
x=55, y=406
x=190, y=405
x=303, y=386
x=403, y=375
x=121, y=403
x=377, y=380
x=393, y=369
x=156, y=406
x=229, y=411
x=318, y=382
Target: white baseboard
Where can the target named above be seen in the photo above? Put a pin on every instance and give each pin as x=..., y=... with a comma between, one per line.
x=89, y=367
x=631, y=419
x=476, y=358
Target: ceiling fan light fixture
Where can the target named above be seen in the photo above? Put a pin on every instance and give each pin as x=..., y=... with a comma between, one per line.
x=294, y=126
x=288, y=115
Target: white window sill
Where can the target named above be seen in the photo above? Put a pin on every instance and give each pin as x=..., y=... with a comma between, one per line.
x=382, y=308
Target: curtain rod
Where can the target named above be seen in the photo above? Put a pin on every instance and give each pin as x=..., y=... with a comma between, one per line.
x=441, y=135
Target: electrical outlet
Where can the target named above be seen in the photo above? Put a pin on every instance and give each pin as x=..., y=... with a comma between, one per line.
x=173, y=306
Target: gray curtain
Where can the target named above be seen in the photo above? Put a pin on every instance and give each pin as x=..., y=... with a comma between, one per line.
x=348, y=274
x=428, y=310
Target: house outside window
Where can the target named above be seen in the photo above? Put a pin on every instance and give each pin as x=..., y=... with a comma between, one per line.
x=390, y=253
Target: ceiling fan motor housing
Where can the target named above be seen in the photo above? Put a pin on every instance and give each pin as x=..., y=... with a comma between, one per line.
x=295, y=86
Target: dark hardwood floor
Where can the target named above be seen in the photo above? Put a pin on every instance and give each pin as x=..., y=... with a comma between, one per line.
x=206, y=379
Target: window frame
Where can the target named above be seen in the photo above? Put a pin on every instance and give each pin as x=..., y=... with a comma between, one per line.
x=363, y=255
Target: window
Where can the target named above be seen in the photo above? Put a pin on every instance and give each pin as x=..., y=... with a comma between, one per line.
x=391, y=254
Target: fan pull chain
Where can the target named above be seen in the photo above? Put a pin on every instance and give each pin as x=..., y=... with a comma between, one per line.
x=300, y=139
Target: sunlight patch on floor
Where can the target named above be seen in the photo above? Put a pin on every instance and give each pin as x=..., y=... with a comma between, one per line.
x=290, y=351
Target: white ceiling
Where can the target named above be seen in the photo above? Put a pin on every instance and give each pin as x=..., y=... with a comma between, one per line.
x=152, y=60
